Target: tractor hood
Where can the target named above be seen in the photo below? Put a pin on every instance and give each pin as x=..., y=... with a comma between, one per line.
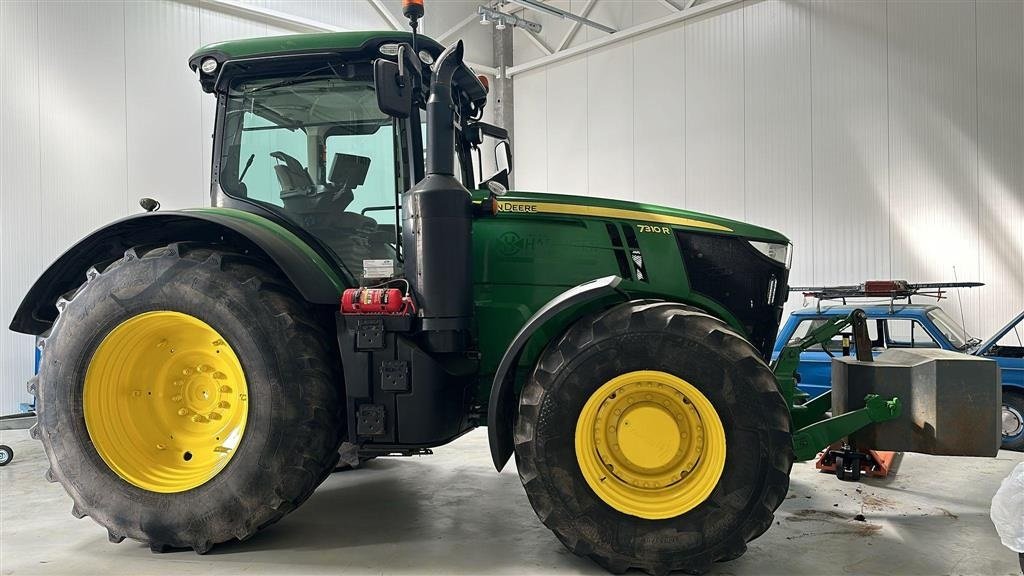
x=559, y=204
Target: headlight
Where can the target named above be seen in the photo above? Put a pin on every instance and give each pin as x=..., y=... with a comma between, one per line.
x=208, y=66
x=781, y=253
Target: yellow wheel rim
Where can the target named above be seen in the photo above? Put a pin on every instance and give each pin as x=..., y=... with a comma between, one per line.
x=650, y=444
x=165, y=401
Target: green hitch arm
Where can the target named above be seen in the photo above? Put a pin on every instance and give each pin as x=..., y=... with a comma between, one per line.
x=786, y=364
x=814, y=438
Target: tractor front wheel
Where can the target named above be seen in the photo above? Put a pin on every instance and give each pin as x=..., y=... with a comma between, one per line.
x=652, y=436
x=187, y=396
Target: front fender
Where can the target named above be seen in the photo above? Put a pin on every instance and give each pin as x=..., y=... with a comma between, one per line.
x=502, y=404
x=314, y=277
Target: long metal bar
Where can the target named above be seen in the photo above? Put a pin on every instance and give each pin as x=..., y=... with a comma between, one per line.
x=670, y=6
x=569, y=34
x=541, y=7
x=538, y=42
x=266, y=15
x=386, y=14
x=458, y=26
x=668, y=20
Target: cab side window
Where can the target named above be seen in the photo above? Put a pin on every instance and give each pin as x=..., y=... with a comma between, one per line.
x=908, y=333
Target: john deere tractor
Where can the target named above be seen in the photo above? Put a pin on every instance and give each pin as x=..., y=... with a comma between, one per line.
x=357, y=288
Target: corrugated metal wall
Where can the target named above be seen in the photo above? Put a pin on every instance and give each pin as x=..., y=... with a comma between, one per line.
x=886, y=139
x=98, y=108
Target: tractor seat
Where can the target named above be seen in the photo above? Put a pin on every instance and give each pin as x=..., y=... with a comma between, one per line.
x=292, y=175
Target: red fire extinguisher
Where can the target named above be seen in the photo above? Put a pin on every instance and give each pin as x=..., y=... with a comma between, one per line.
x=375, y=301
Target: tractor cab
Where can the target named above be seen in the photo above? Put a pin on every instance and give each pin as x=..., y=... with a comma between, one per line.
x=301, y=133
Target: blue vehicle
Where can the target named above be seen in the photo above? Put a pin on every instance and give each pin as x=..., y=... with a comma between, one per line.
x=894, y=325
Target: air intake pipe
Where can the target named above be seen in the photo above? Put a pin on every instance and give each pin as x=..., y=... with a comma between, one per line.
x=437, y=224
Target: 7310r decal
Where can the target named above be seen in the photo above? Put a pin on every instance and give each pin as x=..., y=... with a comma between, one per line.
x=654, y=229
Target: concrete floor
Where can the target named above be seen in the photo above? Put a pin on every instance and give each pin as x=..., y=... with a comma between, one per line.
x=452, y=514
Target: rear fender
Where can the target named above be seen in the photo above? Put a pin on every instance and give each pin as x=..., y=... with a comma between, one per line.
x=316, y=279
x=502, y=405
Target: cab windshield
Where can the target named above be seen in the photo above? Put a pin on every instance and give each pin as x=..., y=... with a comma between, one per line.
x=957, y=336
x=317, y=147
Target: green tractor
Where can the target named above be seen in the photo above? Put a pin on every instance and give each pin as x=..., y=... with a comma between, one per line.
x=358, y=289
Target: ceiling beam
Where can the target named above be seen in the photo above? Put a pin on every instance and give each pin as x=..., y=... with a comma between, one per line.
x=386, y=14
x=669, y=5
x=668, y=20
x=571, y=32
x=454, y=29
x=266, y=15
x=537, y=42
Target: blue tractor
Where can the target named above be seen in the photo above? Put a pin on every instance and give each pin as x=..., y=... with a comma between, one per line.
x=906, y=325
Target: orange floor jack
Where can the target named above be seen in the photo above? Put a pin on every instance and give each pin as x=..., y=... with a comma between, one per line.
x=850, y=464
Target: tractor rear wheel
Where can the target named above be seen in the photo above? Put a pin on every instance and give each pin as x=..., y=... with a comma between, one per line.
x=652, y=436
x=187, y=396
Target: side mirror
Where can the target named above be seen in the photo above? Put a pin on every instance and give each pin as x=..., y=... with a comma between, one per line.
x=396, y=83
x=503, y=155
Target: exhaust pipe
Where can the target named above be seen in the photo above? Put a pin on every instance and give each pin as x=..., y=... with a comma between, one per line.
x=437, y=224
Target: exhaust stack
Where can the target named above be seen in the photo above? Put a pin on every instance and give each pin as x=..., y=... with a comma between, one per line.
x=437, y=224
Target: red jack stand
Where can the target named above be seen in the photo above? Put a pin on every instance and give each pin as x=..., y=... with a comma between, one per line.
x=849, y=464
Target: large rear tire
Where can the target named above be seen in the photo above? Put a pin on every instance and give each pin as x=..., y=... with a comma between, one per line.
x=187, y=396
x=652, y=436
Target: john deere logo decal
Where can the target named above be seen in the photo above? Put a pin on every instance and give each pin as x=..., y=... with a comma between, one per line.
x=509, y=244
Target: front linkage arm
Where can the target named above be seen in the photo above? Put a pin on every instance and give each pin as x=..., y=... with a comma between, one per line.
x=813, y=431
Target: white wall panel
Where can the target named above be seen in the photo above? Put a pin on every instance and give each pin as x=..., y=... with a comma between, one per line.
x=21, y=207
x=777, y=127
x=82, y=107
x=164, y=106
x=933, y=150
x=849, y=156
x=713, y=50
x=530, y=136
x=568, y=119
x=1000, y=161
x=610, y=122
x=658, y=143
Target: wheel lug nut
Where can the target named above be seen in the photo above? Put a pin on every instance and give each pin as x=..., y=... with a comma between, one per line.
x=182, y=412
x=213, y=416
x=199, y=419
x=225, y=389
x=177, y=398
x=188, y=371
x=224, y=404
x=204, y=368
x=219, y=376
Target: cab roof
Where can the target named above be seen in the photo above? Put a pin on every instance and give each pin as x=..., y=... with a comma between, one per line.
x=303, y=43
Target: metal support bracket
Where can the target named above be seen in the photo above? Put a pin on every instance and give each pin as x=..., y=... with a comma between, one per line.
x=810, y=440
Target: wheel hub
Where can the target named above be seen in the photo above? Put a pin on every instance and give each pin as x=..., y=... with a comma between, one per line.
x=650, y=444
x=1013, y=421
x=165, y=401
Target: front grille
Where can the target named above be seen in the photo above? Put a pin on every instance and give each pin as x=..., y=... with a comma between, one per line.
x=745, y=282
